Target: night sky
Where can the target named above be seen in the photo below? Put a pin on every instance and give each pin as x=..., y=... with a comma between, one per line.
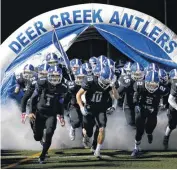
x=14, y=13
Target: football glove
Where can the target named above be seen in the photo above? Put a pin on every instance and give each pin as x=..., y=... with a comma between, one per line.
x=23, y=117
x=84, y=111
x=110, y=110
x=61, y=120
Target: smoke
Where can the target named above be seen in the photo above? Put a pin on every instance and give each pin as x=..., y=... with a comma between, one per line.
x=18, y=136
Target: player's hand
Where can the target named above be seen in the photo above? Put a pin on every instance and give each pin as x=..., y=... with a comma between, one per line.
x=84, y=111
x=110, y=110
x=23, y=117
x=61, y=120
x=32, y=117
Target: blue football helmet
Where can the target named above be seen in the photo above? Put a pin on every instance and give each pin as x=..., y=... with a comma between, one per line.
x=54, y=75
x=88, y=68
x=152, y=81
x=152, y=67
x=97, y=70
x=173, y=74
x=75, y=64
x=102, y=59
x=52, y=59
x=28, y=71
x=43, y=70
x=163, y=76
x=137, y=72
x=93, y=61
x=110, y=63
x=127, y=68
x=106, y=78
x=79, y=75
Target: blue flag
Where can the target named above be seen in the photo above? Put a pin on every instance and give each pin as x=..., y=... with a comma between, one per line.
x=59, y=47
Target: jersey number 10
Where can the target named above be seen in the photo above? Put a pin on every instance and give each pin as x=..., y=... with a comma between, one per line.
x=96, y=97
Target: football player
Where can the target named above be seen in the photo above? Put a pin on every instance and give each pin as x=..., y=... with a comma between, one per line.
x=74, y=110
x=172, y=111
x=147, y=98
x=26, y=81
x=125, y=89
x=96, y=92
x=46, y=106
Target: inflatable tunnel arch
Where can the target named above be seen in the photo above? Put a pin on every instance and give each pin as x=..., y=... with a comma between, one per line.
x=139, y=36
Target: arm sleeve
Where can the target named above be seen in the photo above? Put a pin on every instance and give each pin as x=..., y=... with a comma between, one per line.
x=34, y=98
x=136, y=94
x=24, y=100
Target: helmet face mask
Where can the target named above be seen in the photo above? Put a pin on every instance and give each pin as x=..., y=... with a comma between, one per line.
x=137, y=75
x=43, y=74
x=74, y=68
x=54, y=78
x=151, y=86
x=79, y=79
x=27, y=74
x=104, y=83
x=164, y=80
x=52, y=62
x=93, y=65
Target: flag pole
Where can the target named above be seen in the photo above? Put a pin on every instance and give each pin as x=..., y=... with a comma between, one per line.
x=69, y=74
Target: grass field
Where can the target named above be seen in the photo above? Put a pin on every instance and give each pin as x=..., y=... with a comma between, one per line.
x=83, y=158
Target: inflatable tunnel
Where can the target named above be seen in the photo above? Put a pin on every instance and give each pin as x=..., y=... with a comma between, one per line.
x=140, y=37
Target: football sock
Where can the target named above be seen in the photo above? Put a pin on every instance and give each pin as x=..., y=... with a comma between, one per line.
x=137, y=144
x=168, y=131
x=98, y=147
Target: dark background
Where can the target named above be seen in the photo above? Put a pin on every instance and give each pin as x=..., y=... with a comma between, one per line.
x=15, y=13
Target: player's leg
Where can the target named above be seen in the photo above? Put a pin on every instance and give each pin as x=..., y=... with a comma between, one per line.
x=129, y=115
x=101, y=121
x=75, y=121
x=172, y=123
x=140, y=124
x=50, y=125
x=38, y=126
x=95, y=137
x=88, y=124
x=150, y=125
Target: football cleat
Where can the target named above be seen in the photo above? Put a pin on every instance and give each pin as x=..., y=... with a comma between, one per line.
x=97, y=154
x=86, y=142
x=150, y=138
x=165, y=142
x=41, y=160
x=92, y=149
x=135, y=153
x=72, y=134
